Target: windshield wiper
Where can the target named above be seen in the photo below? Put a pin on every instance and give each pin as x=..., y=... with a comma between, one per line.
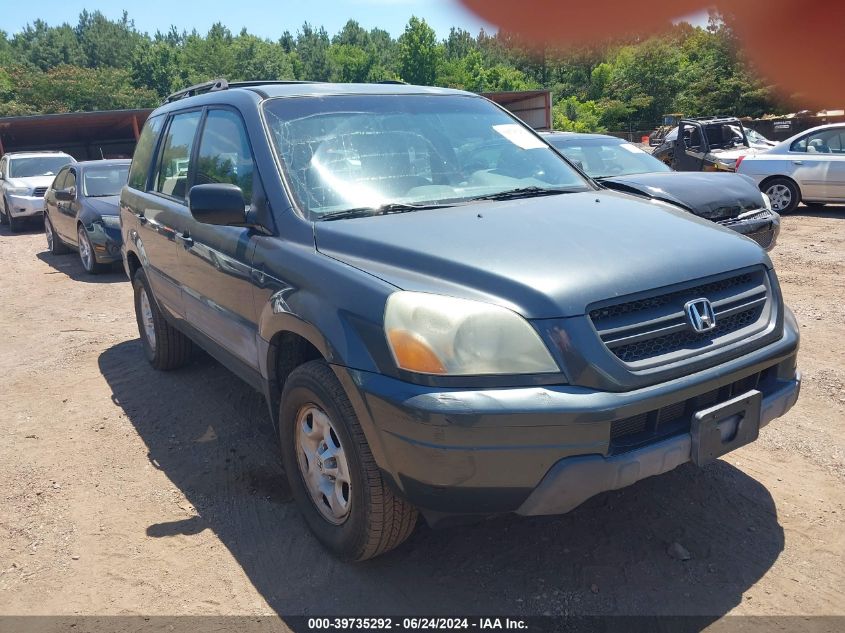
x=385, y=209
x=524, y=192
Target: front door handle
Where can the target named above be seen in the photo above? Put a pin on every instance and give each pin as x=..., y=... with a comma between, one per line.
x=798, y=162
x=187, y=240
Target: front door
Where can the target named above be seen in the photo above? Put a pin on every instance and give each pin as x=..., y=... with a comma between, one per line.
x=65, y=217
x=690, y=148
x=217, y=260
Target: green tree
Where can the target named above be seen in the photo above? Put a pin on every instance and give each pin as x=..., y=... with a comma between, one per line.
x=312, y=48
x=419, y=53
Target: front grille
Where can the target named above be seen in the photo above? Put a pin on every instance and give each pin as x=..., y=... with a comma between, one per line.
x=763, y=238
x=760, y=215
x=685, y=338
x=39, y=192
x=650, y=330
x=645, y=428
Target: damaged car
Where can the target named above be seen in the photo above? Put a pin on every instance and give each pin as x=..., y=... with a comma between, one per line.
x=730, y=200
x=705, y=144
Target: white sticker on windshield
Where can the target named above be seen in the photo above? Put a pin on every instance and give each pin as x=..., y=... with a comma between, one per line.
x=631, y=148
x=519, y=136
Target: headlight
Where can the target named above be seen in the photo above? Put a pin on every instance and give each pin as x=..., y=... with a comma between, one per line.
x=111, y=221
x=767, y=202
x=19, y=191
x=434, y=334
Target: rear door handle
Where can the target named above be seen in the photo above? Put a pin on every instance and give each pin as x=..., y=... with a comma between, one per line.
x=798, y=162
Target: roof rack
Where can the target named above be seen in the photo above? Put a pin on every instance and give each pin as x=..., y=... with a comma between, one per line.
x=222, y=84
x=393, y=82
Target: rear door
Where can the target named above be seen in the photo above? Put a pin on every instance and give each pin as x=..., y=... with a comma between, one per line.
x=217, y=260
x=162, y=210
x=690, y=147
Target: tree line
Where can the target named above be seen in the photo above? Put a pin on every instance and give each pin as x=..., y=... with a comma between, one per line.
x=103, y=64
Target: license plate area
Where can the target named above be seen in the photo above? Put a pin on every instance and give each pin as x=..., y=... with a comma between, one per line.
x=725, y=427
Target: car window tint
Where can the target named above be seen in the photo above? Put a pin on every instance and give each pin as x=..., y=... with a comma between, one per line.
x=174, y=161
x=143, y=153
x=224, y=152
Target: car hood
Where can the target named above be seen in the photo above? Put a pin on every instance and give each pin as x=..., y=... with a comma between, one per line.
x=107, y=205
x=32, y=181
x=542, y=257
x=715, y=196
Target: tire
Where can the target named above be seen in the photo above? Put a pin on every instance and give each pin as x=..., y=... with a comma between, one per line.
x=815, y=205
x=86, y=252
x=54, y=242
x=376, y=519
x=14, y=223
x=168, y=348
x=784, y=194
x=4, y=219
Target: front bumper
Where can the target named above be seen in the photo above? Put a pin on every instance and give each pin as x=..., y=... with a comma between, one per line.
x=763, y=229
x=541, y=450
x=25, y=206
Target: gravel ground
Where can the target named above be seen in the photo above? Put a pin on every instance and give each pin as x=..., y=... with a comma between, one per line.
x=127, y=491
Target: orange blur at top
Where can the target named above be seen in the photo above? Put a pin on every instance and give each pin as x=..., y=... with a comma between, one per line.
x=796, y=44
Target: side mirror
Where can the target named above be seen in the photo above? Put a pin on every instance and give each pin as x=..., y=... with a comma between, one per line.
x=218, y=204
x=66, y=195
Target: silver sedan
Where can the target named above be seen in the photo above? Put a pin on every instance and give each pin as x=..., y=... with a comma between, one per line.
x=808, y=167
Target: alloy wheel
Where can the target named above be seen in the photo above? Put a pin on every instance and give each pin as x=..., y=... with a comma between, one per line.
x=322, y=464
x=48, y=231
x=85, y=253
x=147, y=319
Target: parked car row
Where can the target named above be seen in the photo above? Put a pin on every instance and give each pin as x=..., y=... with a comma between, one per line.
x=809, y=167
x=446, y=315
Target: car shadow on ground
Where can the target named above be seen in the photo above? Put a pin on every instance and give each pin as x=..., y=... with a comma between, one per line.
x=70, y=265
x=210, y=435
x=836, y=211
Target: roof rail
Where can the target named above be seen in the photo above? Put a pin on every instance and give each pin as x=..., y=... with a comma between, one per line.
x=223, y=84
x=393, y=82
x=190, y=91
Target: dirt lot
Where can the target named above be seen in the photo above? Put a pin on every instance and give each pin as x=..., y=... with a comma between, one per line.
x=127, y=491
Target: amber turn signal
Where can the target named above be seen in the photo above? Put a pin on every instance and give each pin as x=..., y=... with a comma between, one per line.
x=413, y=354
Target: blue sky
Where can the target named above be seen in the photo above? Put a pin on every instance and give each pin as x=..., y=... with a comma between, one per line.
x=267, y=18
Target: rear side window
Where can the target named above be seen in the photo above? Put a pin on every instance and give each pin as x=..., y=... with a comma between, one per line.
x=224, y=153
x=174, y=161
x=144, y=153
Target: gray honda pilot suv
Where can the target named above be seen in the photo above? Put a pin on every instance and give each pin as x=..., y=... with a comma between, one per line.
x=445, y=316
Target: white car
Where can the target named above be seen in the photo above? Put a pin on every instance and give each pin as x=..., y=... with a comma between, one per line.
x=808, y=167
x=24, y=179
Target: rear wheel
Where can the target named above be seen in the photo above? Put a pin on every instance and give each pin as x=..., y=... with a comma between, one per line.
x=164, y=346
x=54, y=242
x=338, y=487
x=783, y=193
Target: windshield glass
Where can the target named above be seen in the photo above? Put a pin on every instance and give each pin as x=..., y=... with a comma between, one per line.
x=104, y=180
x=349, y=152
x=37, y=166
x=602, y=157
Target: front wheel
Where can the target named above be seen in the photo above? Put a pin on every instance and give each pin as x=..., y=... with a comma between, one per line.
x=86, y=252
x=783, y=193
x=336, y=483
x=54, y=242
x=164, y=346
